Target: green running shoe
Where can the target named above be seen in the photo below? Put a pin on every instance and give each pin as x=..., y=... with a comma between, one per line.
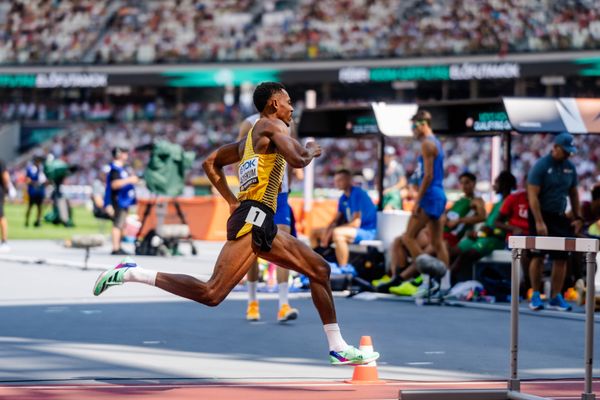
x=407, y=288
x=113, y=276
x=352, y=356
x=384, y=279
x=418, y=280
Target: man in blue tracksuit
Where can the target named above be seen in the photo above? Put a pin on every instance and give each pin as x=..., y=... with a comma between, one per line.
x=119, y=195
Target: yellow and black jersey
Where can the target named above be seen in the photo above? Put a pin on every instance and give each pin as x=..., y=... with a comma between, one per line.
x=260, y=175
x=260, y=180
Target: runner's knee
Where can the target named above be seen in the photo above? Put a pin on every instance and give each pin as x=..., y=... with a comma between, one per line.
x=213, y=297
x=321, y=272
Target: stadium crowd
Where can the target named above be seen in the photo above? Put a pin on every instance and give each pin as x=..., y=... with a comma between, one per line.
x=40, y=31
x=156, y=109
x=121, y=31
x=207, y=125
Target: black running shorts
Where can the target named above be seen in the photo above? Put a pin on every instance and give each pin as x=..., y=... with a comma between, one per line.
x=253, y=216
x=558, y=225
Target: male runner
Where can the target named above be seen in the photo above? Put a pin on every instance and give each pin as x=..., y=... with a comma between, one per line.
x=283, y=221
x=251, y=231
x=431, y=200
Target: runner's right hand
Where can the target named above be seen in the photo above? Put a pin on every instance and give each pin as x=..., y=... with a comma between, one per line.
x=314, y=148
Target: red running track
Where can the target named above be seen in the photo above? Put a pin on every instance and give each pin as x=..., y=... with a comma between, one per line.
x=556, y=389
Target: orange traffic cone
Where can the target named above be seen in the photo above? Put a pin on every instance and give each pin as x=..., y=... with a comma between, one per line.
x=365, y=374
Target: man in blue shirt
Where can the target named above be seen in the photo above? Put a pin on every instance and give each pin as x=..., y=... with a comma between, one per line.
x=36, y=189
x=552, y=179
x=356, y=219
x=119, y=195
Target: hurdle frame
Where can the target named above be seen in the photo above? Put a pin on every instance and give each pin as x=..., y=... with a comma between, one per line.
x=518, y=244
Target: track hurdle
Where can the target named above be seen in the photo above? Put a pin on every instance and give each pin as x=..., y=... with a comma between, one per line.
x=518, y=244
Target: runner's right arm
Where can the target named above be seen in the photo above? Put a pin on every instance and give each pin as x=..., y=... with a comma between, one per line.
x=213, y=166
x=293, y=152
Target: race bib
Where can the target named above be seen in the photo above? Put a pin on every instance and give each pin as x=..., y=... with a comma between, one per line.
x=248, y=173
x=256, y=216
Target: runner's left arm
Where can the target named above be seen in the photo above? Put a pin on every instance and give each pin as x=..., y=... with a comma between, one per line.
x=213, y=166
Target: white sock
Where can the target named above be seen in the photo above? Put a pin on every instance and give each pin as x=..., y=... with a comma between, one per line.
x=252, y=290
x=334, y=337
x=141, y=275
x=445, y=283
x=283, y=294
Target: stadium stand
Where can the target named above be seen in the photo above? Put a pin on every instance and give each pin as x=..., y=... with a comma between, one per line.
x=173, y=31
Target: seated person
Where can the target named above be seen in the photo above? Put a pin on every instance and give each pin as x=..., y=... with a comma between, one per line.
x=464, y=213
x=488, y=238
x=402, y=270
x=514, y=215
x=356, y=219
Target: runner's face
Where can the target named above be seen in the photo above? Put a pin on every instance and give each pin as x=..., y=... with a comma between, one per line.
x=417, y=128
x=284, y=106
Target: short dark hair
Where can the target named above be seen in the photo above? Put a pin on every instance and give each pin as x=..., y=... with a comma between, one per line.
x=117, y=150
x=343, y=171
x=468, y=175
x=422, y=116
x=263, y=93
x=507, y=181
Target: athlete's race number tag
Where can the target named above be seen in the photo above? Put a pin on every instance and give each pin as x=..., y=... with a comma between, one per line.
x=248, y=173
x=256, y=216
